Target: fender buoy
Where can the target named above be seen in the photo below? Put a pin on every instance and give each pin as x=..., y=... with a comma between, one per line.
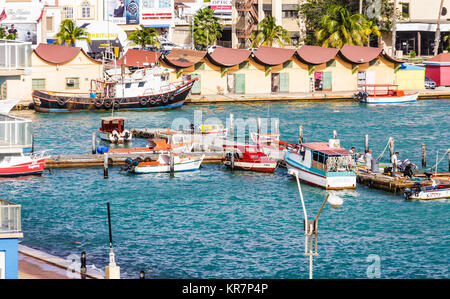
x=143, y=101
x=61, y=102
x=165, y=98
x=107, y=104
x=98, y=104
x=152, y=101
x=116, y=104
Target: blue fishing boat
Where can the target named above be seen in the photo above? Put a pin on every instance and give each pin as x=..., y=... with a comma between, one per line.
x=323, y=164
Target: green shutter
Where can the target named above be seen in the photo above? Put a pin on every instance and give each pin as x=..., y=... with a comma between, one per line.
x=284, y=82
x=326, y=81
x=239, y=83
x=197, y=87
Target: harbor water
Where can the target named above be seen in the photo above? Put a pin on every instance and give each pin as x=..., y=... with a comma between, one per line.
x=216, y=224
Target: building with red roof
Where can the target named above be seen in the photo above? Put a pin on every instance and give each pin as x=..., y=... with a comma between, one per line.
x=437, y=69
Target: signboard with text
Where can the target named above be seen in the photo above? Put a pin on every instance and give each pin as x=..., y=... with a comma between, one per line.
x=221, y=5
x=157, y=13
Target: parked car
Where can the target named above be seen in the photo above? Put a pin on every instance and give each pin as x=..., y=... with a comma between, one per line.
x=429, y=84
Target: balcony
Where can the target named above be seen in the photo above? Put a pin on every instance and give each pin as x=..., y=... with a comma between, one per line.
x=14, y=57
x=15, y=135
x=10, y=220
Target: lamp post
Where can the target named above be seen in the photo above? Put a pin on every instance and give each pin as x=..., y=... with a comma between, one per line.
x=311, y=225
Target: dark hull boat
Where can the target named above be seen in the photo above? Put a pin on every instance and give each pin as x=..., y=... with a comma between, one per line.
x=47, y=101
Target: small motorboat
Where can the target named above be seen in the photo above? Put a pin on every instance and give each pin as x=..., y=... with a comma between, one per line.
x=163, y=164
x=271, y=145
x=248, y=157
x=23, y=164
x=438, y=190
x=384, y=94
x=156, y=146
x=113, y=130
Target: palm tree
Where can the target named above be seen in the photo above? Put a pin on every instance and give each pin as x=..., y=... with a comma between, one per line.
x=269, y=33
x=145, y=36
x=437, y=38
x=340, y=27
x=394, y=28
x=5, y=35
x=69, y=33
x=207, y=29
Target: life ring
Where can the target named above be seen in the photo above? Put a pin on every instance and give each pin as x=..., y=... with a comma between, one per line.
x=60, y=102
x=98, y=104
x=336, y=144
x=148, y=159
x=152, y=102
x=165, y=98
x=143, y=101
x=107, y=104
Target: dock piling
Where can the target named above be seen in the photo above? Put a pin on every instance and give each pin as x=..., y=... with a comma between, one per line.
x=334, y=134
x=300, y=134
x=94, y=143
x=277, y=125
x=366, y=143
x=172, y=165
x=391, y=147
x=83, y=268
x=424, y=155
x=105, y=165
x=232, y=140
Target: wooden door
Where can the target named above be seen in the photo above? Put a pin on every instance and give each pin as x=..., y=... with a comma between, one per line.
x=275, y=82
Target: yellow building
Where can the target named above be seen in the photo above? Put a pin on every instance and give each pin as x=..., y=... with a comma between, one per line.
x=278, y=70
x=56, y=68
x=411, y=77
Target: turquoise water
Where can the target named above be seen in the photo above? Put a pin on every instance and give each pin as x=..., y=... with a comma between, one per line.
x=216, y=224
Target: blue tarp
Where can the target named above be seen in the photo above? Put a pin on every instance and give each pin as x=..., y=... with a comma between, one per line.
x=410, y=67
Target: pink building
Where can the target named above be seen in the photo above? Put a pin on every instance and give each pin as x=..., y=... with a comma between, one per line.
x=437, y=69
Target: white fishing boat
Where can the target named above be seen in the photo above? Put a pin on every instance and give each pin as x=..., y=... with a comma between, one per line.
x=162, y=164
x=437, y=191
x=7, y=105
x=384, y=94
x=323, y=164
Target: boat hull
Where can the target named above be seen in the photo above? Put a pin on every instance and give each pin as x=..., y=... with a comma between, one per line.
x=327, y=180
x=431, y=194
x=52, y=102
x=35, y=167
x=252, y=166
x=408, y=98
x=191, y=165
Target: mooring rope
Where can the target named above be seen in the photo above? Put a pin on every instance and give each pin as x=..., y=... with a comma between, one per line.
x=435, y=165
x=387, y=144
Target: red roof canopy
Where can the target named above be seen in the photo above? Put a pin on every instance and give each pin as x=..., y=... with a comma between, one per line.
x=136, y=58
x=57, y=54
x=443, y=58
x=358, y=54
x=228, y=56
x=323, y=147
x=184, y=58
x=316, y=54
x=273, y=56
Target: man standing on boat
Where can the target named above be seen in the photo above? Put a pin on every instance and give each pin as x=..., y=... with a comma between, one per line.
x=368, y=159
x=394, y=160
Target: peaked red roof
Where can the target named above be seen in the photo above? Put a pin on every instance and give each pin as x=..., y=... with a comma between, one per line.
x=137, y=58
x=228, y=56
x=443, y=58
x=184, y=58
x=358, y=54
x=57, y=54
x=273, y=56
x=316, y=54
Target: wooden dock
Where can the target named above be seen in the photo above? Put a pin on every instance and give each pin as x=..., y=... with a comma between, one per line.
x=97, y=160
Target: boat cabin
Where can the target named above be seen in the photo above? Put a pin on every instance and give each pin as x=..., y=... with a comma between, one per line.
x=325, y=156
x=380, y=90
x=248, y=152
x=207, y=129
x=110, y=124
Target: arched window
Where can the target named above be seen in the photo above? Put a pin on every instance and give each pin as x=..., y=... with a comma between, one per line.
x=86, y=10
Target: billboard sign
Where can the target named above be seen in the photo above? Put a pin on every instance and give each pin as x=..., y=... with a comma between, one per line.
x=221, y=5
x=157, y=13
x=132, y=12
x=115, y=11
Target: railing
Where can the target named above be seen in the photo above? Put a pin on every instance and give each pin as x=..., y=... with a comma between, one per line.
x=10, y=217
x=15, y=132
x=14, y=55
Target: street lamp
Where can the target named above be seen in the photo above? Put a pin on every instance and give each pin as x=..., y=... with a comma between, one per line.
x=310, y=225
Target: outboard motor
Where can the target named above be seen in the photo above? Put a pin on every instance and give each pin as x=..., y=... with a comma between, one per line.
x=128, y=165
x=407, y=193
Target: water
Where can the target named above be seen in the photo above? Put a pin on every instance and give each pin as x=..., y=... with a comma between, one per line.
x=216, y=224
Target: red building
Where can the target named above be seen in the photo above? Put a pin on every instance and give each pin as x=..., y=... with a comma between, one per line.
x=437, y=69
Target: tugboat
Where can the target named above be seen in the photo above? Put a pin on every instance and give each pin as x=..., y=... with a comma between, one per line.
x=113, y=130
x=145, y=89
x=248, y=157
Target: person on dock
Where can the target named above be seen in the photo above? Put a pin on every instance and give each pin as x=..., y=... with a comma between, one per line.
x=368, y=159
x=394, y=161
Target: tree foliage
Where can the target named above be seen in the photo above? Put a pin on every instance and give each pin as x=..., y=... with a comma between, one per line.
x=69, y=33
x=5, y=35
x=207, y=29
x=269, y=33
x=145, y=36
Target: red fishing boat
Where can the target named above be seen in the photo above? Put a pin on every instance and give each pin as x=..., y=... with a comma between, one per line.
x=271, y=145
x=22, y=165
x=248, y=157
